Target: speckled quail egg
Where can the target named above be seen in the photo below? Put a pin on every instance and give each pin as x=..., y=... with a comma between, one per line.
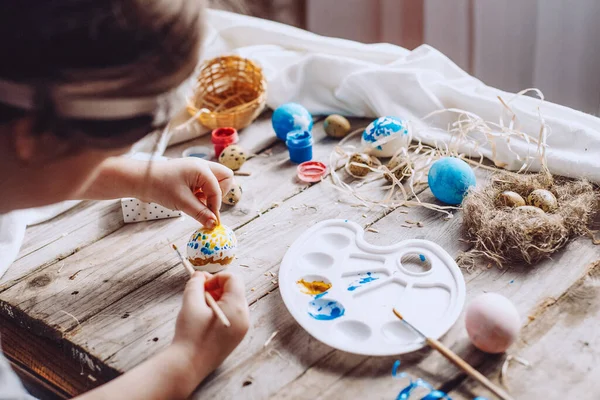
x=530, y=211
x=233, y=157
x=359, y=158
x=510, y=199
x=400, y=166
x=233, y=196
x=543, y=199
x=336, y=126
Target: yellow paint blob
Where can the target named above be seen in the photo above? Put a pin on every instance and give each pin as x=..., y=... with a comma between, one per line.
x=314, y=287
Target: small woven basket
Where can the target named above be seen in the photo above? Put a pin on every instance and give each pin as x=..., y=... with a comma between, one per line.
x=231, y=92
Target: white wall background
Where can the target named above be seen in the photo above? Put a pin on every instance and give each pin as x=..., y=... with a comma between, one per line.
x=553, y=45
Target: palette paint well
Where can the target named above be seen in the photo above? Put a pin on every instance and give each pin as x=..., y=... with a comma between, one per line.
x=342, y=289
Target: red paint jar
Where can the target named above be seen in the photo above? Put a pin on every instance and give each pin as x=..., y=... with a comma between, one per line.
x=223, y=137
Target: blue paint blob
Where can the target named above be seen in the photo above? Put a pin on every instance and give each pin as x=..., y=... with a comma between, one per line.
x=422, y=257
x=435, y=395
x=395, y=368
x=480, y=398
x=290, y=117
x=325, y=310
x=318, y=296
x=449, y=179
x=363, y=280
x=512, y=281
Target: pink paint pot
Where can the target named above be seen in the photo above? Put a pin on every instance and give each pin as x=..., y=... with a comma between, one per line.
x=311, y=171
x=223, y=137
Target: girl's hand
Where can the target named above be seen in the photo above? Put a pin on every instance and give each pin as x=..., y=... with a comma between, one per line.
x=191, y=185
x=199, y=331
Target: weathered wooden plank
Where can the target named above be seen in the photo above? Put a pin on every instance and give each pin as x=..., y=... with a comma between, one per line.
x=562, y=346
x=55, y=240
x=52, y=361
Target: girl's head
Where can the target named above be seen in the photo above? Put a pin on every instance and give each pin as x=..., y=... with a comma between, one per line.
x=79, y=80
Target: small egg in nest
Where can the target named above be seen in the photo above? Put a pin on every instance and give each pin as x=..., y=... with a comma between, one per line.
x=211, y=250
x=510, y=199
x=543, y=199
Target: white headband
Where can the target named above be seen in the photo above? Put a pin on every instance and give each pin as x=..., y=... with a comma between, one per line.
x=26, y=96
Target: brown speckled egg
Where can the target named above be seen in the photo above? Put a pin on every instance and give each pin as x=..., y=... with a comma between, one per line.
x=233, y=196
x=530, y=211
x=400, y=167
x=233, y=157
x=543, y=199
x=510, y=199
x=359, y=158
x=336, y=126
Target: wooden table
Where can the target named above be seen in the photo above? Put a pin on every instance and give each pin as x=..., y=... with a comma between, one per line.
x=90, y=297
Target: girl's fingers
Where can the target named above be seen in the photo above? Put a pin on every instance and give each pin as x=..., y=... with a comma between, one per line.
x=197, y=209
x=209, y=185
x=194, y=290
x=224, y=176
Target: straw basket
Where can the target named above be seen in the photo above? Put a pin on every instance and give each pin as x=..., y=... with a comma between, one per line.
x=231, y=90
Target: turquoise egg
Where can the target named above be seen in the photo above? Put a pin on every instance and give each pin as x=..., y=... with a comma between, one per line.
x=449, y=179
x=291, y=117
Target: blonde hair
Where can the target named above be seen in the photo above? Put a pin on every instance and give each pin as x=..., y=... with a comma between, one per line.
x=110, y=48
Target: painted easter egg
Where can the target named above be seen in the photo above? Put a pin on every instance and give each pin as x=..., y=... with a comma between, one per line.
x=233, y=196
x=359, y=158
x=510, y=199
x=449, y=180
x=291, y=117
x=212, y=250
x=394, y=129
x=336, y=126
x=233, y=157
x=530, y=211
x=543, y=199
x=400, y=167
x=492, y=322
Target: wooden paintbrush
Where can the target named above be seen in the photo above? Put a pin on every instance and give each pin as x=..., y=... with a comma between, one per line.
x=459, y=362
x=209, y=299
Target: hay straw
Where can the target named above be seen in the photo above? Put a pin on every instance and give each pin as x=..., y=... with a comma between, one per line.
x=419, y=157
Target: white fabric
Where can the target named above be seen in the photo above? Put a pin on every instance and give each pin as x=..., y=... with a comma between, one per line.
x=329, y=75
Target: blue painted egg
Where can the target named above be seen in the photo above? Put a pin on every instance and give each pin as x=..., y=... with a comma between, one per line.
x=384, y=127
x=449, y=179
x=291, y=117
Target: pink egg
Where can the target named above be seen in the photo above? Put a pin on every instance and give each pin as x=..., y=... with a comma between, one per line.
x=492, y=322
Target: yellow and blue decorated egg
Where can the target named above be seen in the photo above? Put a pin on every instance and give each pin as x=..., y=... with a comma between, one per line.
x=211, y=250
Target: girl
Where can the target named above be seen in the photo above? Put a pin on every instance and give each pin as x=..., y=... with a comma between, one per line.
x=80, y=81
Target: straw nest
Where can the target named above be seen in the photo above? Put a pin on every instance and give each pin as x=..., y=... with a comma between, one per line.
x=231, y=91
x=505, y=235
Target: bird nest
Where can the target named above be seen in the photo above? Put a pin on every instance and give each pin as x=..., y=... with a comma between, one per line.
x=505, y=235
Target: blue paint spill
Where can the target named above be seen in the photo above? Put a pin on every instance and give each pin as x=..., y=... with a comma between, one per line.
x=325, y=309
x=413, y=385
x=422, y=257
x=512, y=281
x=345, y=220
x=318, y=296
x=395, y=368
x=362, y=281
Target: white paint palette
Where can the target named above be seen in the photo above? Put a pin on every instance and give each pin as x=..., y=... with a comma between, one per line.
x=417, y=277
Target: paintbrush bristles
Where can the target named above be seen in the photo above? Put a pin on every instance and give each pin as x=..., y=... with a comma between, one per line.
x=184, y=261
x=395, y=312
